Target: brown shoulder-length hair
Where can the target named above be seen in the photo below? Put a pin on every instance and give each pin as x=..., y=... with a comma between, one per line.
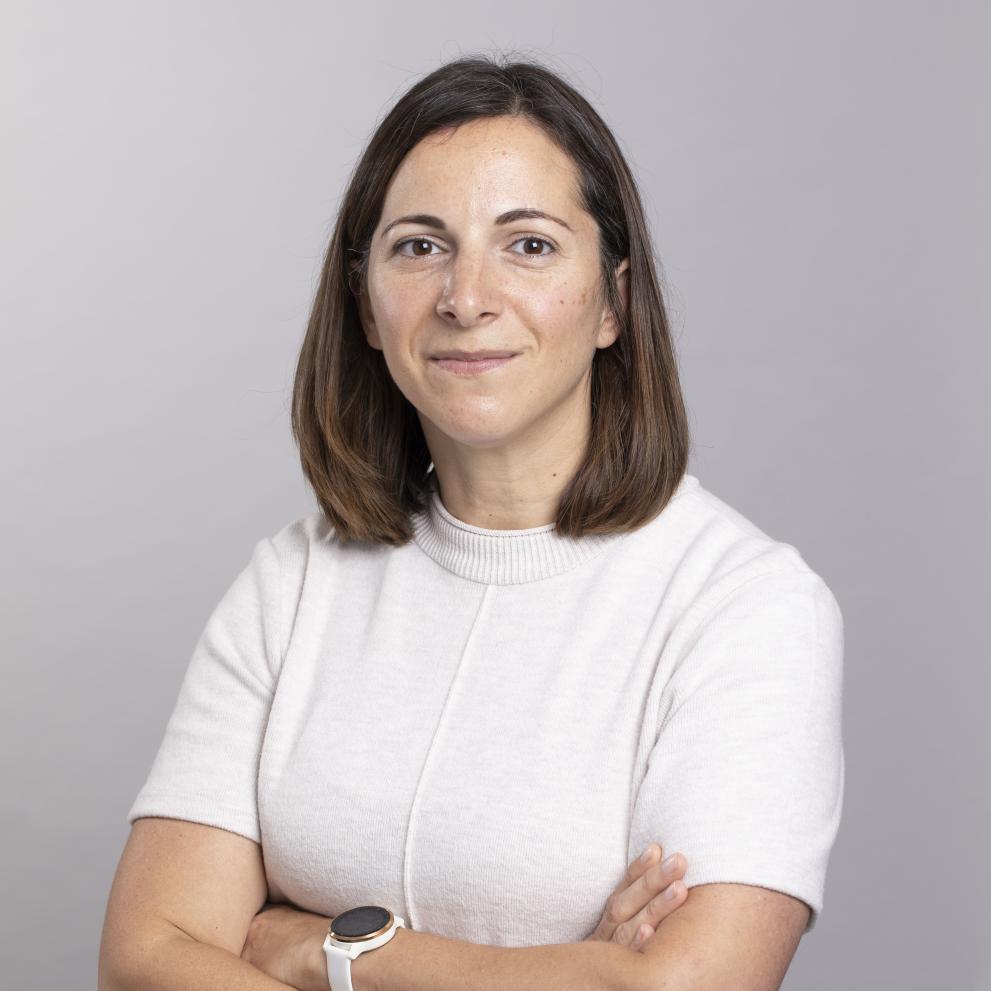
x=361, y=444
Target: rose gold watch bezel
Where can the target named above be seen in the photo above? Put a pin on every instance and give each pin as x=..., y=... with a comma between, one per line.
x=362, y=939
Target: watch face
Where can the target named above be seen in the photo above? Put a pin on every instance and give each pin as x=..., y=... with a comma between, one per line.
x=364, y=922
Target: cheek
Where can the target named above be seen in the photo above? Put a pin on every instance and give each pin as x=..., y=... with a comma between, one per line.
x=399, y=304
x=560, y=318
x=397, y=310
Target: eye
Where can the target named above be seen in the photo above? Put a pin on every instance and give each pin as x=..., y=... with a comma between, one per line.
x=533, y=239
x=412, y=240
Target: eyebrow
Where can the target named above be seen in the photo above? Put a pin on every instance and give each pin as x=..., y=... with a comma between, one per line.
x=509, y=217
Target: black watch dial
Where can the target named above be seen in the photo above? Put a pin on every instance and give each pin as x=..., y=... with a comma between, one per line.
x=364, y=922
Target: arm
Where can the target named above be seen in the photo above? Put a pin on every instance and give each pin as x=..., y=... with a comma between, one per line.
x=422, y=961
x=427, y=962
x=726, y=937
x=746, y=777
x=179, y=910
x=177, y=963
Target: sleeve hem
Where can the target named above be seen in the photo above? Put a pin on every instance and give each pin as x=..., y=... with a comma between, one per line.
x=197, y=808
x=712, y=874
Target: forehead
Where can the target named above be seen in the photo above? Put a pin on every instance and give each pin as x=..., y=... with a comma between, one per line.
x=485, y=165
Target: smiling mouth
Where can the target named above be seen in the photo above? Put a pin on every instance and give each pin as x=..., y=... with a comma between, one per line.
x=461, y=366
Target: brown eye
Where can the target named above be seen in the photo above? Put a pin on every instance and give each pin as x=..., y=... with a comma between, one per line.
x=421, y=242
x=535, y=242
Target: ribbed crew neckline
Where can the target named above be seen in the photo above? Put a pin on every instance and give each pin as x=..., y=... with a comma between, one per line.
x=503, y=557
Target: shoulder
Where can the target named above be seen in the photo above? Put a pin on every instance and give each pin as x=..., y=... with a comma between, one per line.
x=306, y=535
x=304, y=532
x=716, y=555
x=286, y=557
x=719, y=535
x=308, y=548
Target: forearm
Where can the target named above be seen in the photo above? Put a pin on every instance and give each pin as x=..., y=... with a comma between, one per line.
x=180, y=963
x=288, y=942
x=424, y=961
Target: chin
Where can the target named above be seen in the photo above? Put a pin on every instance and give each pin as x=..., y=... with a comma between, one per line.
x=478, y=439
x=476, y=434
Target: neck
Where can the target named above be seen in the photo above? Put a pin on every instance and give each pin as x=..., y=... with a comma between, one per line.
x=507, y=488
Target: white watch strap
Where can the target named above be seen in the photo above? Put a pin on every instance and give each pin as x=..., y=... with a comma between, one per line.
x=339, y=959
x=339, y=971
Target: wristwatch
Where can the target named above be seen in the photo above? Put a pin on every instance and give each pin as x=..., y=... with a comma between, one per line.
x=352, y=933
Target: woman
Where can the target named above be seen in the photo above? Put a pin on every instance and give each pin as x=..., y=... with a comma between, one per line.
x=518, y=644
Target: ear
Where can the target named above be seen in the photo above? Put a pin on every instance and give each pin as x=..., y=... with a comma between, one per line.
x=365, y=315
x=608, y=328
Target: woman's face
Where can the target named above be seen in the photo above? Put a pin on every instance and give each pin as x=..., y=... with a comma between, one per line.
x=463, y=276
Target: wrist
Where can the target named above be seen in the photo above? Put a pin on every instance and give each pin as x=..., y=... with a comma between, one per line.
x=312, y=972
x=369, y=972
x=313, y=966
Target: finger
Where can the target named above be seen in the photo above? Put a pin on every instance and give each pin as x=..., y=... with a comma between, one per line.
x=640, y=866
x=644, y=933
x=626, y=907
x=619, y=906
x=640, y=883
x=659, y=908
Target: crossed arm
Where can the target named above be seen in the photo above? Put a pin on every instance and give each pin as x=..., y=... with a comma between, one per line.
x=725, y=937
x=185, y=898
x=414, y=960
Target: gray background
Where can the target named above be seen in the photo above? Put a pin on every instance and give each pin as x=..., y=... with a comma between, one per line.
x=816, y=180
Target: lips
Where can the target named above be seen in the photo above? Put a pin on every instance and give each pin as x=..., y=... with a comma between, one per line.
x=473, y=366
x=473, y=355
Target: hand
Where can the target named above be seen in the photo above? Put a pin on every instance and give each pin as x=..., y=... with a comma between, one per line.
x=639, y=903
x=281, y=943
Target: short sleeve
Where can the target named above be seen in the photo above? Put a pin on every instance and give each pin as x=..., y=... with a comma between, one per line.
x=206, y=768
x=746, y=774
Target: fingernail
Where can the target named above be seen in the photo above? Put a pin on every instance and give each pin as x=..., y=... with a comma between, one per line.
x=671, y=891
x=647, y=854
x=670, y=864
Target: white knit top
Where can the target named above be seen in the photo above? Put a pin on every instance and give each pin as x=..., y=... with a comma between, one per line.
x=482, y=728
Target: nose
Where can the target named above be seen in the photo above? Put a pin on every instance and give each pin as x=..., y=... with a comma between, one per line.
x=469, y=293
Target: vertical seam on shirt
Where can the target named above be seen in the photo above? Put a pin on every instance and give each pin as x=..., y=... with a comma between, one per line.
x=411, y=822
